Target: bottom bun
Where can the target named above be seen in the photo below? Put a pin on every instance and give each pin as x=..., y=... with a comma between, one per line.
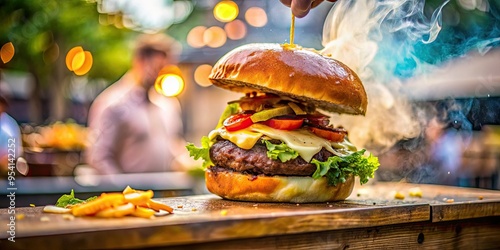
x=293, y=189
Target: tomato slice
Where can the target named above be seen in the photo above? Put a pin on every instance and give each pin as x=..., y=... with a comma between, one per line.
x=284, y=123
x=331, y=135
x=237, y=122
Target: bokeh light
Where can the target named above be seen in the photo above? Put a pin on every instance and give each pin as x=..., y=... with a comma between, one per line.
x=170, y=82
x=256, y=16
x=214, y=37
x=79, y=61
x=51, y=54
x=86, y=66
x=195, y=37
x=7, y=52
x=70, y=55
x=235, y=30
x=170, y=85
x=226, y=11
x=201, y=75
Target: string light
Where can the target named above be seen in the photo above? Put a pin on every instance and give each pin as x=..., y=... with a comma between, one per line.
x=226, y=11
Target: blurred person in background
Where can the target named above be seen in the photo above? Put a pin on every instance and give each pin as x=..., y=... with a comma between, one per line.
x=133, y=128
x=10, y=137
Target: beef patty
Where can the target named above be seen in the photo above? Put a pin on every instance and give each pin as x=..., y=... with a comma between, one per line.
x=225, y=154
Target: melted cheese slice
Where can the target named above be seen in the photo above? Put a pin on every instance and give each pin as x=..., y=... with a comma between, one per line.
x=306, y=143
x=244, y=138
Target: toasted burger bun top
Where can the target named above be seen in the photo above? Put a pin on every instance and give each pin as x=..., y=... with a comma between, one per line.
x=278, y=188
x=296, y=73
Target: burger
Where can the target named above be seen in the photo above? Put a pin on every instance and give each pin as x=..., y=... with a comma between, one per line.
x=277, y=143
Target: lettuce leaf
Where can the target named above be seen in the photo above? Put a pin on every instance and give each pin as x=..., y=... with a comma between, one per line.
x=336, y=169
x=280, y=152
x=70, y=199
x=202, y=152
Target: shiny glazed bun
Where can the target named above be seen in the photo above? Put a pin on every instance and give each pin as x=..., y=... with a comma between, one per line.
x=297, y=73
x=293, y=189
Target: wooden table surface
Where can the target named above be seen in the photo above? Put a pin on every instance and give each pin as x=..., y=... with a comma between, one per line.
x=206, y=221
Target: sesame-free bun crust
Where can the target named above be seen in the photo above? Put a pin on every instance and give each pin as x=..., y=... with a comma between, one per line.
x=297, y=73
x=293, y=189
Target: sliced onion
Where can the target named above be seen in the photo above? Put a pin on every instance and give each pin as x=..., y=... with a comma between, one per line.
x=56, y=210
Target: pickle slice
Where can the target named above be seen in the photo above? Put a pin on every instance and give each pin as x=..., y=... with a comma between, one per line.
x=297, y=109
x=267, y=114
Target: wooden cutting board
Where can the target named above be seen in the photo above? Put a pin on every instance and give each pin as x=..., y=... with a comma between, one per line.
x=207, y=218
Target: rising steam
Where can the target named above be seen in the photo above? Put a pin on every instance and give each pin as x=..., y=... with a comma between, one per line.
x=372, y=38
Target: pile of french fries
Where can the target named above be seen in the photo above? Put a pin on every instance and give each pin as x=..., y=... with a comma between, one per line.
x=130, y=202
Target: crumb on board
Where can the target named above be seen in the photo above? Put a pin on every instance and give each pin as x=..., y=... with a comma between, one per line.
x=194, y=209
x=20, y=216
x=399, y=196
x=480, y=198
x=180, y=206
x=223, y=212
x=68, y=217
x=44, y=218
x=415, y=192
x=363, y=192
x=450, y=200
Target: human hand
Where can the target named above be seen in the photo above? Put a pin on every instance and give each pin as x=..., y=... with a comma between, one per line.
x=300, y=8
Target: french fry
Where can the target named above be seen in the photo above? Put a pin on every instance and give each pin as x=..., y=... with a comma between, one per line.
x=139, y=198
x=102, y=202
x=129, y=190
x=116, y=212
x=131, y=202
x=157, y=206
x=143, y=212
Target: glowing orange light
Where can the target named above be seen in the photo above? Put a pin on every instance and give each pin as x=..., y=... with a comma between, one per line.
x=195, y=37
x=7, y=52
x=235, y=30
x=201, y=75
x=169, y=81
x=256, y=17
x=86, y=66
x=79, y=61
x=71, y=54
x=214, y=37
x=226, y=11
